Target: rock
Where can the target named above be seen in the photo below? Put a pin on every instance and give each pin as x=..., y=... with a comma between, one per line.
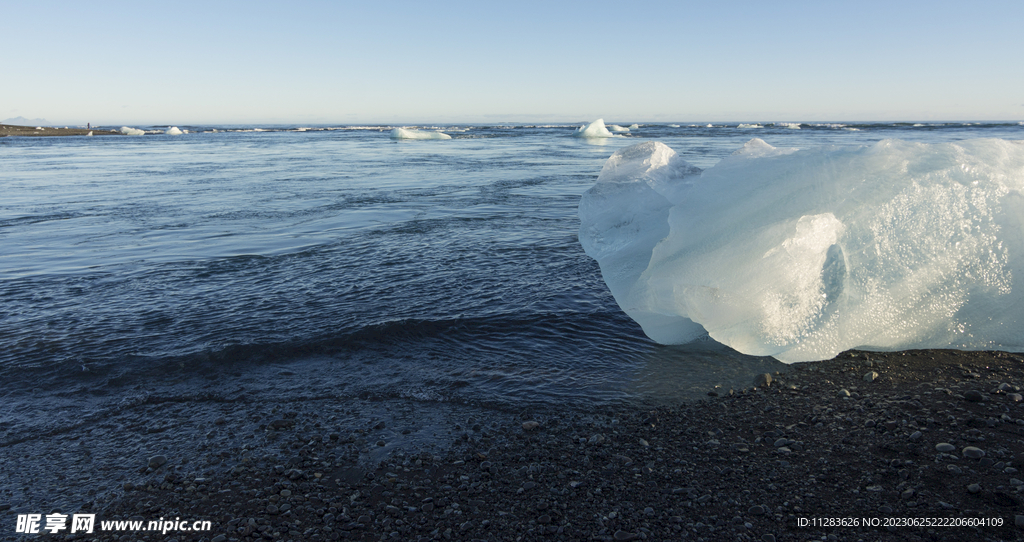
x=763, y=380
x=973, y=452
x=280, y=424
x=974, y=396
x=870, y=376
x=530, y=425
x=844, y=393
x=945, y=447
x=1018, y=520
x=756, y=510
x=974, y=488
x=219, y=538
x=768, y=537
x=916, y=435
x=1015, y=397
x=623, y=535
x=157, y=461
x=596, y=438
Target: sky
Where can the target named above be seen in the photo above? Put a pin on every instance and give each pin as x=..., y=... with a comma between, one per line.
x=447, y=62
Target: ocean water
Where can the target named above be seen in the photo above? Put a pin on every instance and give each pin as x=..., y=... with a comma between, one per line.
x=305, y=260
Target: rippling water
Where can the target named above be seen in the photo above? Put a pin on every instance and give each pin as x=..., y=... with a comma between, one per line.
x=432, y=270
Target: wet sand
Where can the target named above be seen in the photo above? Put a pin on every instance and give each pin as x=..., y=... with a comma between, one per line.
x=46, y=131
x=853, y=440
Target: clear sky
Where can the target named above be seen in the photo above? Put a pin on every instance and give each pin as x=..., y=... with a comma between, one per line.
x=483, y=61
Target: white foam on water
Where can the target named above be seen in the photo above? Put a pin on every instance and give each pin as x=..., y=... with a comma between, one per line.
x=802, y=254
x=750, y=126
x=673, y=126
x=405, y=133
x=594, y=129
x=634, y=126
x=790, y=125
x=126, y=130
x=173, y=130
x=616, y=128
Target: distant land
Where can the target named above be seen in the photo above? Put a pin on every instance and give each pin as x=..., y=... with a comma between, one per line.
x=22, y=121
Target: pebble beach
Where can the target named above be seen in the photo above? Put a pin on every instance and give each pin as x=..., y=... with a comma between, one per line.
x=919, y=445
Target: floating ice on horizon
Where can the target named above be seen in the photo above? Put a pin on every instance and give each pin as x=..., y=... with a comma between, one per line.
x=673, y=126
x=594, y=129
x=790, y=125
x=173, y=130
x=750, y=126
x=634, y=126
x=617, y=128
x=132, y=131
x=405, y=133
x=802, y=254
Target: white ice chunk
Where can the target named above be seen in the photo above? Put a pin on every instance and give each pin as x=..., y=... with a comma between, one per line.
x=132, y=131
x=750, y=126
x=406, y=133
x=634, y=126
x=594, y=129
x=802, y=254
x=173, y=130
x=616, y=128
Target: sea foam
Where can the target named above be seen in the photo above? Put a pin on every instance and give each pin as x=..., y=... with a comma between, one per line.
x=406, y=133
x=802, y=254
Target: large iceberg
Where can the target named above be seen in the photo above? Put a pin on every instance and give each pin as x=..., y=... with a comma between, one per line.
x=407, y=133
x=173, y=130
x=127, y=130
x=801, y=254
x=594, y=129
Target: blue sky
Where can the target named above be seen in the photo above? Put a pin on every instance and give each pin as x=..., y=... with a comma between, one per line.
x=409, y=62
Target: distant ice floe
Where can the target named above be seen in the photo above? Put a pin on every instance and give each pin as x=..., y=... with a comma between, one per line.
x=634, y=126
x=132, y=131
x=406, y=133
x=594, y=129
x=673, y=126
x=749, y=126
x=790, y=125
x=616, y=128
x=802, y=254
x=173, y=130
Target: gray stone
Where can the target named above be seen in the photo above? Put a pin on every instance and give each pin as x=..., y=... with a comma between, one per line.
x=945, y=447
x=763, y=380
x=768, y=537
x=916, y=435
x=974, y=396
x=974, y=488
x=1015, y=397
x=157, y=461
x=530, y=425
x=870, y=376
x=622, y=536
x=973, y=452
x=756, y=510
x=219, y=538
x=844, y=393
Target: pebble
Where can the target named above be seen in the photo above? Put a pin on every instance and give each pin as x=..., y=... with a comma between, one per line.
x=870, y=376
x=916, y=435
x=763, y=380
x=1015, y=397
x=974, y=488
x=844, y=393
x=945, y=447
x=973, y=452
x=974, y=396
x=623, y=535
x=157, y=461
x=530, y=425
x=756, y=510
x=768, y=537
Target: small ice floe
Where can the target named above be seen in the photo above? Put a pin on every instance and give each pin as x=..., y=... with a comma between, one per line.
x=616, y=128
x=173, y=130
x=594, y=129
x=790, y=125
x=750, y=126
x=407, y=133
x=634, y=126
x=673, y=126
x=127, y=130
x=89, y=134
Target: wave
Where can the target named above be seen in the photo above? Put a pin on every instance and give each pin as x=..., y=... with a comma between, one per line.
x=405, y=133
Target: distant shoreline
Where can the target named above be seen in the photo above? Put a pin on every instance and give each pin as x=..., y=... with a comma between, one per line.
x=46, y=131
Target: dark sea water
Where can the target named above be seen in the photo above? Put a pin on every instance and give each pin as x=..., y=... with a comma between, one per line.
x=338, y=261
